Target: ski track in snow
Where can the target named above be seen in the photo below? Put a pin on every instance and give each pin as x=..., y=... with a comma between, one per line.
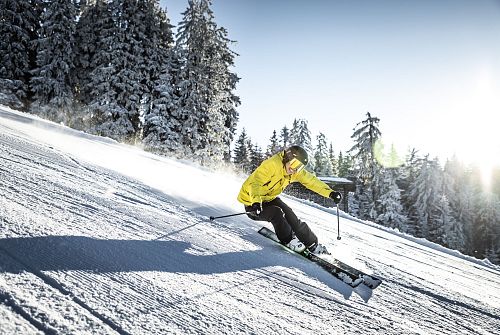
x=88, y=249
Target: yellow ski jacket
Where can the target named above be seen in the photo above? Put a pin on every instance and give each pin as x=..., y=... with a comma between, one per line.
x=270, y=179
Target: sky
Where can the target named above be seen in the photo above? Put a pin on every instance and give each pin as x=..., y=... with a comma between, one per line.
x=430, y=70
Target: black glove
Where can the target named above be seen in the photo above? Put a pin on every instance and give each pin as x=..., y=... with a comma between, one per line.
x=336, y=196
x=257, y=208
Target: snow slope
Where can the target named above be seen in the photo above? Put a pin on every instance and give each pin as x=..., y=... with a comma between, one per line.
x=98, y=237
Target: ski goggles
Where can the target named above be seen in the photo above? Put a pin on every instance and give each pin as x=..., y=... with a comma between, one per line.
x=296, y=165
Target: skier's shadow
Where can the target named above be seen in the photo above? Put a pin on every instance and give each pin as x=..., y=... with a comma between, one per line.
x=80, y=253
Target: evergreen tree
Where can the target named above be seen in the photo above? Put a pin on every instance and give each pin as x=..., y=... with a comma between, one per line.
x=322, y=163
x=87, y=34
x=19, y=25
x=458, y=194
x=242, y=152
x=52, y=83
x=293, y=138
x=344, y=165
x=453, y=232
x=426, y=191
x=162, y=129
x=228, y=100
x=157, y=52
x=111, y=74
x=486, y=222
x=274, y=145
x=126, y=59
x=131, y=56
x=408, y=175
x=256, y=157
x=300, y=135
x=376, y=186
x=285, y=137
x=333, y=160
x=89, y=29
x=365, y=134
x=389, y=204
x=206, y=103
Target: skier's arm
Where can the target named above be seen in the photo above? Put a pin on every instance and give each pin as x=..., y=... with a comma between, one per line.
x=312, y=182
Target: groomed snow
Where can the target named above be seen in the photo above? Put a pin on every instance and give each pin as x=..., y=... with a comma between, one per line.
x=99, y=237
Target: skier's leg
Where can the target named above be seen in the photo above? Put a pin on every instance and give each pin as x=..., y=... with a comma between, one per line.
x=275, y=215
x=300, y=228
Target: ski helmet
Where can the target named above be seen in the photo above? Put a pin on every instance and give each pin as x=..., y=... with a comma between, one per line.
x=296, y=152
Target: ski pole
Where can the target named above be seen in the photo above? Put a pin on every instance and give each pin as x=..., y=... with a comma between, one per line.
x=338, y=223
x=226, y=216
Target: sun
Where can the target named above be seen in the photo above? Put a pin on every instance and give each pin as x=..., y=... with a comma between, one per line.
x=484, y=159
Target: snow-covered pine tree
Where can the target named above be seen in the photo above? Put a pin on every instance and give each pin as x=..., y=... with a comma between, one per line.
x=256, y=157
x=389, y=203
x=119, y=68
x=206, y=103
x=51, y=82
x=340, y=165
x=159, y=36
x=242, y=152
x=285, y=137
x=458, y=195
x=301, y=135
x=453, y=235
x=195, y=92
x=426, y=190
x=408, y=173
x=98, y=86
x=322, y=164
x=376, y=187
x=131, y=54
x=365, y=134
x=19, y=25
x=294, y=132
x=87, y=41
x=274, y=145
x=228, y=100
x=345, y=165
x=161, y=129
x=486, y=222
x=333, y=160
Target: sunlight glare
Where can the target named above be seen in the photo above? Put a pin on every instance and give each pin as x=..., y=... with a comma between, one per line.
x=387, y=156
x=486, y=171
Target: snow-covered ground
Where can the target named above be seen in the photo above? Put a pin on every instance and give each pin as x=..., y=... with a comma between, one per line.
x=98, y=237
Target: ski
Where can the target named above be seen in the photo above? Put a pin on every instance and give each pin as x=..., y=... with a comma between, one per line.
x=340, y=270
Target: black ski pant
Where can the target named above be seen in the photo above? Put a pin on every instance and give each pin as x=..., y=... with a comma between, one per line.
x=285, y=222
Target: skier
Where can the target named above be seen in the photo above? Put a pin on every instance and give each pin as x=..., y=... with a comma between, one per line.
x=259, y=193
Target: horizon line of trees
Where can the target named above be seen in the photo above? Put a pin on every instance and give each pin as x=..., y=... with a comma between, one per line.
x=415, y=194
x=114, y=68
